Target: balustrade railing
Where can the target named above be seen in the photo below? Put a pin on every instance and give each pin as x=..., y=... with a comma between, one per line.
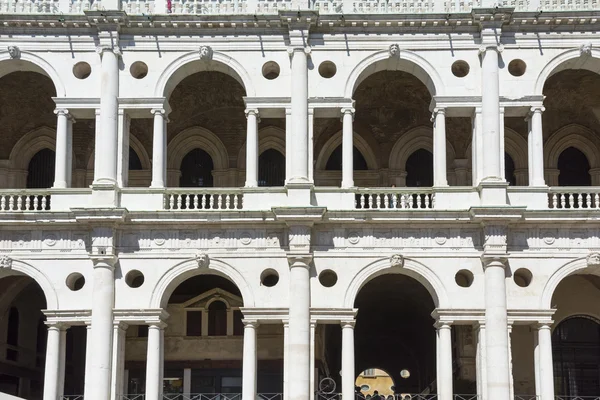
x=203, y=199
x=226, y=7
x=575, y=197
x=392, y=198
x=24, y=200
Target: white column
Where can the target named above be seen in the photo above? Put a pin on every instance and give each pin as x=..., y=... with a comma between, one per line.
x=159, y=145
x=286, y=359
x=153, y=361
x=476, y=147
x=501, y=144
x=299, y=102
x=288, y=144
x=106, y=146
x=313, y=328
x=299, y=330
x=347, y=148
x=535, y=145
x=51, y=372
x=536, y=362
x=480, y=361
x=63, y=361
x=88, y=355
x=187, y=382
x=123, y=149
x=490, y=114
x=249, y=361
x=102, y=329
x=545, y=365
x=252, y=148
x=511, y=379
x=62, y=146
x=348, y=360
x=444, y=378
x=97, y=136
x=70, y=123
x=118, y=361
x=440, y=176
x=496, y=340
x=311, y=145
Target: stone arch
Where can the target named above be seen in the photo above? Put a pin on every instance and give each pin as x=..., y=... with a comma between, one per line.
x=514, y=144
x=29, y=144
x=411, y=268
x=359, y=142
x=573, y=267
x=215, y=299
x=270, y=137
x=40, y=278
x=136, y=145
x=192, y=138
x=572, y=135
x=191, y=63
x=33, y=63
x=415, y=139
x=407, y=61
x=570, y=59
x=184, y=270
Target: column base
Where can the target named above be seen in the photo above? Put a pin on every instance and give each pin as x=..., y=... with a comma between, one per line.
x=105, y=195
x=299, y=194
x=493, y=193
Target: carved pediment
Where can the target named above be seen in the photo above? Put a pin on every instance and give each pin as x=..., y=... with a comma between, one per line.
x=203, y=299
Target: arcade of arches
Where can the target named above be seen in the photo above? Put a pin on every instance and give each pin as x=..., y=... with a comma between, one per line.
x=393, y=144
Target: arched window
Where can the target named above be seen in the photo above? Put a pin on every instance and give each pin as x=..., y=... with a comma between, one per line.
x=271, y=168
x=419, y=169
x=574, y=168
x=196, y=169
x=335, y=160
x=12, y=334
x=576, y=354
x=135, y=164
x=509, y=170
x=217, y=319
x=40, y=173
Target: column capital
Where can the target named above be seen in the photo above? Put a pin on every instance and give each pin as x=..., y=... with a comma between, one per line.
x=108, y=48
x=306, y=49
x=348, y=110
x=499, y=48
x=494, y=260
x=348, y=324
x=301, y=260
x=252, y=111
x=54, y=325
x=104, y=260
x=161, y=111
x=156, y=325
x=443, y=324
x=250, y=323
x=544, y=325
x=537, y=109
x=62, y=111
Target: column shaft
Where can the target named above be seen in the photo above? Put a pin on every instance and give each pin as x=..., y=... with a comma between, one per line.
x=490, y=114
x=252, y=148
x=70, y=123
x=481, y=363
x=288, y=144
x=440, y=177
x=51, y=372
x=153, y=366
x=123, y=149
x=286, y=359
x=62, y=145
x=536, y=145
x=498, y=386
x=444, y=358
x=348, y=361
x=536, y=363
x=313, y=327
x=477, y=148
x=311, y=146
x=249, y=362
x=299, y=102
x=106, y=146
x=118, y=362
x=62, y=361
x=299, y=332
x=546, y=372
x=347, y=148
x=159, y=144
x=102, y=331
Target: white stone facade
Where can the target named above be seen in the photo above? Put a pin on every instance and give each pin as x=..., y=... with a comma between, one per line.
x=123, y=93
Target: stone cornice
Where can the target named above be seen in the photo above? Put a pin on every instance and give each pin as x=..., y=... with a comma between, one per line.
x=140, y=317
x=461, y=316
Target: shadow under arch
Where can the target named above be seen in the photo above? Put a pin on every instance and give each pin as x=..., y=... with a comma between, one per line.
x=573, y=267
x=24, y=268
x=572, y=135
x=191, y=63
x=184, y=270
x=192, y=138
x=336, y=140
x=420, y=137
x=407, y=61
x=411, y=268
x=28, y=62
x=570, y=59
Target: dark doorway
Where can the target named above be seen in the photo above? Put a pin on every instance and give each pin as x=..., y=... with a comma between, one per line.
x=196, y=169
x=40, y=173
x=574, y=168
x=335, y=160
x=419, y=169
x=271, y=168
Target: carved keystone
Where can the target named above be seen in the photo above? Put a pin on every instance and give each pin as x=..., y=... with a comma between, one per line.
x=206, y=53
x=203, y=260
x=397, y=260
x=5, y=262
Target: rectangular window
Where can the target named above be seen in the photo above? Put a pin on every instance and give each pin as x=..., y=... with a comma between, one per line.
x=194, y=323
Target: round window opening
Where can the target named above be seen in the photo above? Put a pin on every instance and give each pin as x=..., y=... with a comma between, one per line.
x=269, y=278
x=271, y=70
x=405, y=374
x=464, y=278
x=327, y=69
x=75, y=281
x=134, y=279
x=82, y=70
x=460, y=68
x=523, y=277
x=517, y=67
x=138, y=70
x=328, y=278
